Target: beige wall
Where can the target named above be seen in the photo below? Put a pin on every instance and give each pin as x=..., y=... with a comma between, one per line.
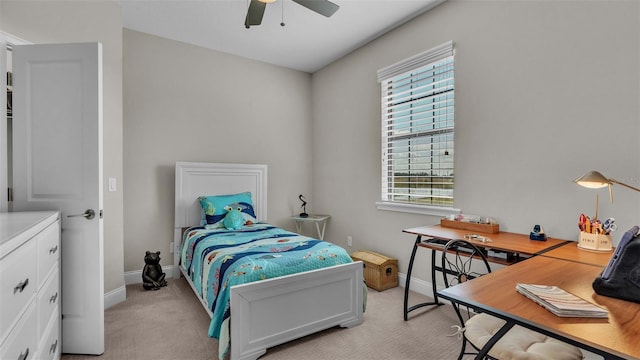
x=545, y=91
x=185, y=103
x=94, y=21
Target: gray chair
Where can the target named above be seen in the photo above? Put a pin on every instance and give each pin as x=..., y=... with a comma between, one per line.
x=462, y=261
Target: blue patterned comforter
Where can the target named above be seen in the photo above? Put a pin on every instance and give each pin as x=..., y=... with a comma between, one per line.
x=217, y=259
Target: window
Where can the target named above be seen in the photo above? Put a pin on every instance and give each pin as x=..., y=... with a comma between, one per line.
x=417, y=130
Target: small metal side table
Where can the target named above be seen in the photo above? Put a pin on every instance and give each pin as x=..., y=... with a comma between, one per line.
x=319, y=220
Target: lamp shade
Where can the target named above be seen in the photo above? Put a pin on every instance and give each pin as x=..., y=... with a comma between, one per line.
x=593, y=180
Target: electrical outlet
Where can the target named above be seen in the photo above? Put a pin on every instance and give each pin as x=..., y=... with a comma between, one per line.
x=349, y=240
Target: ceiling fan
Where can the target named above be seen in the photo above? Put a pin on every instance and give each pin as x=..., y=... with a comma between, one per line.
x=256, y=9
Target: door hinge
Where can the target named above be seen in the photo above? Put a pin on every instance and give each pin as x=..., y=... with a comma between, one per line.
x=9, y=194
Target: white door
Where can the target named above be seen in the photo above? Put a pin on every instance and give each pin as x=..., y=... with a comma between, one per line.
x=57, y=165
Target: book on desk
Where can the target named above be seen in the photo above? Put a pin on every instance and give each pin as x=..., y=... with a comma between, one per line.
x=561, y=302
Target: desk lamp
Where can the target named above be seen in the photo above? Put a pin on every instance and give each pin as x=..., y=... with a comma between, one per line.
x=595, y=180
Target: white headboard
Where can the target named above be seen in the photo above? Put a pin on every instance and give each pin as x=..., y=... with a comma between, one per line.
x=196, y=179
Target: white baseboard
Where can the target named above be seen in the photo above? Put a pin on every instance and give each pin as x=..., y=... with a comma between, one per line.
x=419, y=286
x=119, y=295
x=115, y=297
x=135, y=277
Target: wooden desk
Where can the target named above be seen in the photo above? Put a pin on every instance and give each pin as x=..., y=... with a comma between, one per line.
x=617, y=337
x=505, y=248
x=571, y=252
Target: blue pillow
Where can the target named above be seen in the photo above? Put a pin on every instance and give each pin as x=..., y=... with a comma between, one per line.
x=213, y=208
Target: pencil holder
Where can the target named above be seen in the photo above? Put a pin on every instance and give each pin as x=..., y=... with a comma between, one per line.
x=595, y=242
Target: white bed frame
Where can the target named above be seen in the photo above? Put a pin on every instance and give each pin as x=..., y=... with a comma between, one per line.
x=270, y=312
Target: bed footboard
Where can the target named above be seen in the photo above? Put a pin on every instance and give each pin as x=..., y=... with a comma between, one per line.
x=271, y=312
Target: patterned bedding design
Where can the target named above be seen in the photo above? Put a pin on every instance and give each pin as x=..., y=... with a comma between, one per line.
x=216, y=259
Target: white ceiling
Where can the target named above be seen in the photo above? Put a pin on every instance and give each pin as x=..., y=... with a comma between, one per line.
x=307, y=42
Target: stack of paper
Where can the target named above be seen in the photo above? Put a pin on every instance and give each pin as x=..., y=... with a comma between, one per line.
x=560, y=302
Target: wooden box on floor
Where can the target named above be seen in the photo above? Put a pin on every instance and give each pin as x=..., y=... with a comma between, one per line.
x=380, y=272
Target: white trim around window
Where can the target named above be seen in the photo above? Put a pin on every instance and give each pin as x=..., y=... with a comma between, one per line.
x=417, y=113
x=417, y=209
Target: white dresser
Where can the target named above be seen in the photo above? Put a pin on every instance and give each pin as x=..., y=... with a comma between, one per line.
x=30, y=285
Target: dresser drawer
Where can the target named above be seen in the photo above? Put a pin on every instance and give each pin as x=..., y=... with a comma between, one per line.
x=18, y=284
x=50, y=344
x=48, y=301
x=23, y=341
x=48, y=250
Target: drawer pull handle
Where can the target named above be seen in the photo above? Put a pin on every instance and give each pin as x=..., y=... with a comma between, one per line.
x=54, y=346
x=21, y=285
x=53, y=298
x=23, y=356
x=53, y=250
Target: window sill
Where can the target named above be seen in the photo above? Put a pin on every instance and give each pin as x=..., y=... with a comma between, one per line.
x=417, y=209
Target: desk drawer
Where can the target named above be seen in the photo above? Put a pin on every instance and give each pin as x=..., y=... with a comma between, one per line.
x=18, y=284
x=48, y=301
x=48, y=250
x=22, y=342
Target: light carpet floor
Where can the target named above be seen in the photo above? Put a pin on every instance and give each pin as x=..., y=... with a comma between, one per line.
x=171, y=324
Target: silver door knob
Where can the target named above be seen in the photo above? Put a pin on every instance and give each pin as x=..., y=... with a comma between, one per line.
x=87, y=214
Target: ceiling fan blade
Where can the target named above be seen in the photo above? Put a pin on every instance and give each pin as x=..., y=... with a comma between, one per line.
x=255, y=13
x=323, y=7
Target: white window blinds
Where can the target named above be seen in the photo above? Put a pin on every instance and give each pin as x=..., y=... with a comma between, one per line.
x=418, y=128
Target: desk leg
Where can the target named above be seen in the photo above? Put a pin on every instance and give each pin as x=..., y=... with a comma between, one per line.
x=434, y=288
x=406, y=307
x=408, y=280
x=299, y=226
